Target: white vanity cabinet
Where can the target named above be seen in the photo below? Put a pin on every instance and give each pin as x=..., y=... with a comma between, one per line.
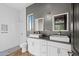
x=37, y=47
x=63, y=52
x=41, y=47
x=43, y=50
x=58, y=49
x=52, y=51
x=31, y=45
x=34, y=46
x=55, y=51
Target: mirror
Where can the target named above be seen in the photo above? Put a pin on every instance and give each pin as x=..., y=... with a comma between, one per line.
x=39, y=24
x=60, y=22
x=30, y=22
x=48, y=22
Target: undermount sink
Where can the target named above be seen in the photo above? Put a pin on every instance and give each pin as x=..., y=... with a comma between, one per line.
x=59, y=38
x=35, y=35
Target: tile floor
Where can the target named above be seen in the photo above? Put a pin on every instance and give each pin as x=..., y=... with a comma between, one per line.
x=19, y=53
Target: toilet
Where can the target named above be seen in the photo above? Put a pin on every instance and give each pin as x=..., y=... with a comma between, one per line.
x=23, y=46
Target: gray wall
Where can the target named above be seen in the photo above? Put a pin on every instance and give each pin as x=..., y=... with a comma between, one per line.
x=42, y=9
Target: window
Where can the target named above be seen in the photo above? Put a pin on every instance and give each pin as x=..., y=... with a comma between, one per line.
x=30, y=22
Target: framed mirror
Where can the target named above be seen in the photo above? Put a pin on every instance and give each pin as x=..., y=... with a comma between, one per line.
x=39, y=24
x=60, y=22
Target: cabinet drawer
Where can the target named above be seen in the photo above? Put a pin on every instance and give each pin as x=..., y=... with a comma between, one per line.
x=43, y=42
x=60, y=45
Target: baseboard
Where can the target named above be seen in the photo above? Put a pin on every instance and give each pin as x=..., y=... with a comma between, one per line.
x=6, y=52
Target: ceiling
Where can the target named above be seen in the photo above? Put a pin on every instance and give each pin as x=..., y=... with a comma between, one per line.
x=18, y=6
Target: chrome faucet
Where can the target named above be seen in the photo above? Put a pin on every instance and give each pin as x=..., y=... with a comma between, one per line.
x=59, y=33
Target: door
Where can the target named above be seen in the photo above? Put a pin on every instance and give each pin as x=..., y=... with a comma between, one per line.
x=43, y=47
x=63, y=52
x=76, y=28
x=43, y=50
x=52, y=51
x=30, y=45
x=36, y=47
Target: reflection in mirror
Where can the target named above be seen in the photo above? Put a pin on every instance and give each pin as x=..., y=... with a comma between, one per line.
x=30, y=22
x=48, y=22
x=39, y=24
x=60, y=22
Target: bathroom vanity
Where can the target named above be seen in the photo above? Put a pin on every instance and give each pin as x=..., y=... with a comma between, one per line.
x=49, y=19
x=47, y=47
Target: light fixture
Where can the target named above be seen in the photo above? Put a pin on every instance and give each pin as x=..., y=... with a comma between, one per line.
x=49, y=16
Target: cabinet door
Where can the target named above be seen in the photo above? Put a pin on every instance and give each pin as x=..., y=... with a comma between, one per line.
x=34, y=46
x=37, y=47
x=63, y=52
x=43, y=50
x=52, y=51
x=30, y=45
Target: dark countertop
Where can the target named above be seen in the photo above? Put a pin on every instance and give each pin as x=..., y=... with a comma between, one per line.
x=51, y=40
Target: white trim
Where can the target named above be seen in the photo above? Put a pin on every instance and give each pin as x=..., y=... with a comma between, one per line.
x=40, y=18
x=29, y=14
x=67, y=21
x=8, y=51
